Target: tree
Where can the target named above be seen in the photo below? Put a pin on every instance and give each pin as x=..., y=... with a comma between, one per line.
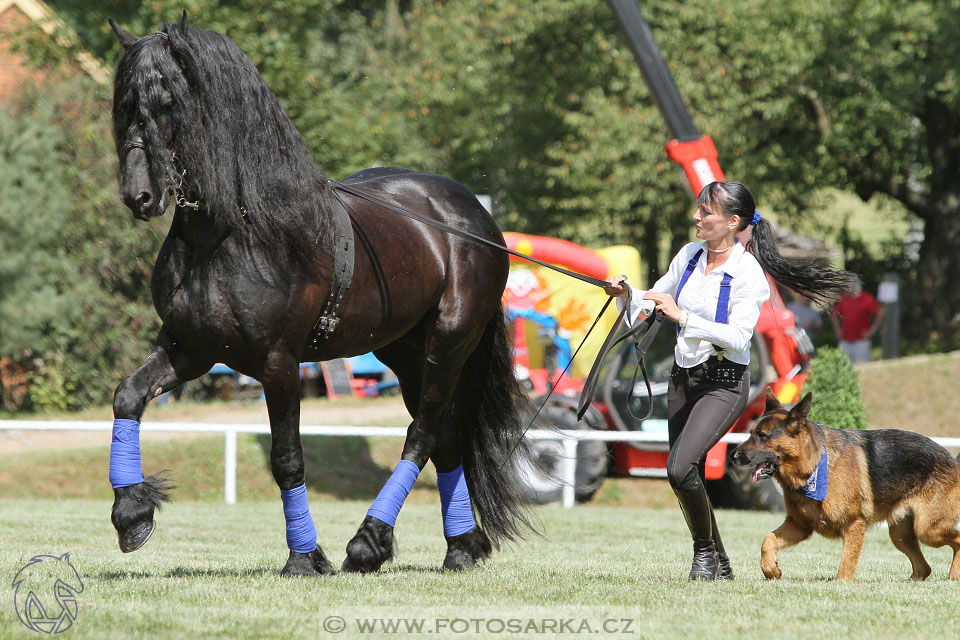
x=33, y=266
x=866, y=100
x=836, y=392
x=891, y=98
x=74, y=269
x=542, y=106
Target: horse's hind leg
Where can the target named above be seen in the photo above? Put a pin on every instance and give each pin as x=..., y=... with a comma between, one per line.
x=281, y=386
x=135, y=497
x=447, y=349
x=373, y=543
x=466, y=542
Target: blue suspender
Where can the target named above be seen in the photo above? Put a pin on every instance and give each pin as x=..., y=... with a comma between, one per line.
x=686, y=276
x=723, y=301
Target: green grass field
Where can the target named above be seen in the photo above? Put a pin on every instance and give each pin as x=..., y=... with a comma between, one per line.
x=211, y=571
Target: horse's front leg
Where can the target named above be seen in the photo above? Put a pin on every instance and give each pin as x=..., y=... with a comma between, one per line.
x=135, y=497
x=281, y=386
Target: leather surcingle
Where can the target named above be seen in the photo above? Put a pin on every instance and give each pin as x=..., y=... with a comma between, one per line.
x=343, y=262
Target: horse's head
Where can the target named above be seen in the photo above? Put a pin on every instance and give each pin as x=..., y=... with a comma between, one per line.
x=194, y=123
x=150, y=97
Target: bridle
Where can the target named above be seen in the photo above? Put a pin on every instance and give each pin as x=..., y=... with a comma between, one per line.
x=175, y=179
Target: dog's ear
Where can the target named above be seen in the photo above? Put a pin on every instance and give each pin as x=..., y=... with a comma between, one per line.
x=797, y=419
x=802, y=408
x=772, y=401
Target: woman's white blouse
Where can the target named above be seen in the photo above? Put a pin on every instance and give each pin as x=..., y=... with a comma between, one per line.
x=748, y=291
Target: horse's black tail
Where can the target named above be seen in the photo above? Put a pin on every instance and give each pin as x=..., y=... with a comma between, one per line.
x=488, y=408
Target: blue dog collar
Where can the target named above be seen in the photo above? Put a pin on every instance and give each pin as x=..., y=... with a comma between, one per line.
x=816, y=486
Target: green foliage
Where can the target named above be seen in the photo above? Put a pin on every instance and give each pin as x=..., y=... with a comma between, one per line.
x=34, y=303
x=836, y=392
x=539, y=104
x=74, y=269
x=50, y=390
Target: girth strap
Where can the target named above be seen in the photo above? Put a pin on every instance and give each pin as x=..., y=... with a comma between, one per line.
x=343, y=262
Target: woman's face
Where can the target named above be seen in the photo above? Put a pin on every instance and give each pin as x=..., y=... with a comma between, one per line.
x=712, y=223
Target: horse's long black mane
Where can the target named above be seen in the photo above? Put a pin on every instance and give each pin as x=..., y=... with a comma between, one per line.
x=199, y=104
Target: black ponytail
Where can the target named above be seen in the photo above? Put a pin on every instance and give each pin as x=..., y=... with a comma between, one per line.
x=811, y=278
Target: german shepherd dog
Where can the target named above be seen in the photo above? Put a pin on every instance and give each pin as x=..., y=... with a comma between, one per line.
x=889, y=475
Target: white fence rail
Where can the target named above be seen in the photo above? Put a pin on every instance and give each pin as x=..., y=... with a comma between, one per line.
x=569, y=439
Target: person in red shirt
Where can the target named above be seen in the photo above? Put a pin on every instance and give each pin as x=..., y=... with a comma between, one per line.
x=856, y=317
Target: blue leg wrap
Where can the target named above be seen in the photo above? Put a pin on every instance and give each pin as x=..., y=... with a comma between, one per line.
x=301, y=534
x=125, y=454
x=455, y=503
x=387, y=505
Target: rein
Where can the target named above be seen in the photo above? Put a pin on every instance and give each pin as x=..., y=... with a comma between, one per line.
x=366, y=195
x=175, y=179
x=651, y=324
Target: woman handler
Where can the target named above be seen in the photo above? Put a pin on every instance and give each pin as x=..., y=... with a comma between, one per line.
x=713, y=291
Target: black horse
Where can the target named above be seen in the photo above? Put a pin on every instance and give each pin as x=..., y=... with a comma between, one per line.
x=248, y=265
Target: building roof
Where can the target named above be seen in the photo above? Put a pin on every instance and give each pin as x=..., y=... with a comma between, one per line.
x=14, y=14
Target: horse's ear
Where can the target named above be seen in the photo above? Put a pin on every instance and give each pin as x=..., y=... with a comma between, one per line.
x=125, y=37
x=183, y=21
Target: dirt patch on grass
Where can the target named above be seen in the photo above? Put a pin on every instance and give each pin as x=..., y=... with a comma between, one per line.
x=913, y=393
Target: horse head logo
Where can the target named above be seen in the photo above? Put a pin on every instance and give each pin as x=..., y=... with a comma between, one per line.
x=45, y=593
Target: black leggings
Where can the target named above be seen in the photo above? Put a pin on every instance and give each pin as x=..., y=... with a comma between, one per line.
x=699, y=413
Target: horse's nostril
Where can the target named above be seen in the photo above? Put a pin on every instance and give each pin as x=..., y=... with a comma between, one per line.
x=145, y=199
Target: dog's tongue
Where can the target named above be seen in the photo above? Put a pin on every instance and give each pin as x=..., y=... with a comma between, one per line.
x=756, y=473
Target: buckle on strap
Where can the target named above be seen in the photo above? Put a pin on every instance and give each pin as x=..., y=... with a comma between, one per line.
x=342, y=276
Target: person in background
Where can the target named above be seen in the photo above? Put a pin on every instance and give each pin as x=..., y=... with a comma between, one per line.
x=713, y=291
x=856, y=318
x=805, y=315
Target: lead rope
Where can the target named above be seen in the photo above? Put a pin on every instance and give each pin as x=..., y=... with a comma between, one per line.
x=436, y=224
x=651, y=326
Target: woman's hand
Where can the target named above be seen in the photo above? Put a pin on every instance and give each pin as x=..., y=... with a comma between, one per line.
x=617, y=288
x=665, y=303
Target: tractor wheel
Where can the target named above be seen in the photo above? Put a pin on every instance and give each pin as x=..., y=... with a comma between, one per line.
x=540, y=477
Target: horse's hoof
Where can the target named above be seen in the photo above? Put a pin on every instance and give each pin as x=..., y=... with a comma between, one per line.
x=465, y=550
x=314, y=563
x=370, y=547
x=135, y=537
x=134, y=507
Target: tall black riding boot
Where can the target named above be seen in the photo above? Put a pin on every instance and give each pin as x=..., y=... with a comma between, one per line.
x=696, y=509
x=725, y=571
